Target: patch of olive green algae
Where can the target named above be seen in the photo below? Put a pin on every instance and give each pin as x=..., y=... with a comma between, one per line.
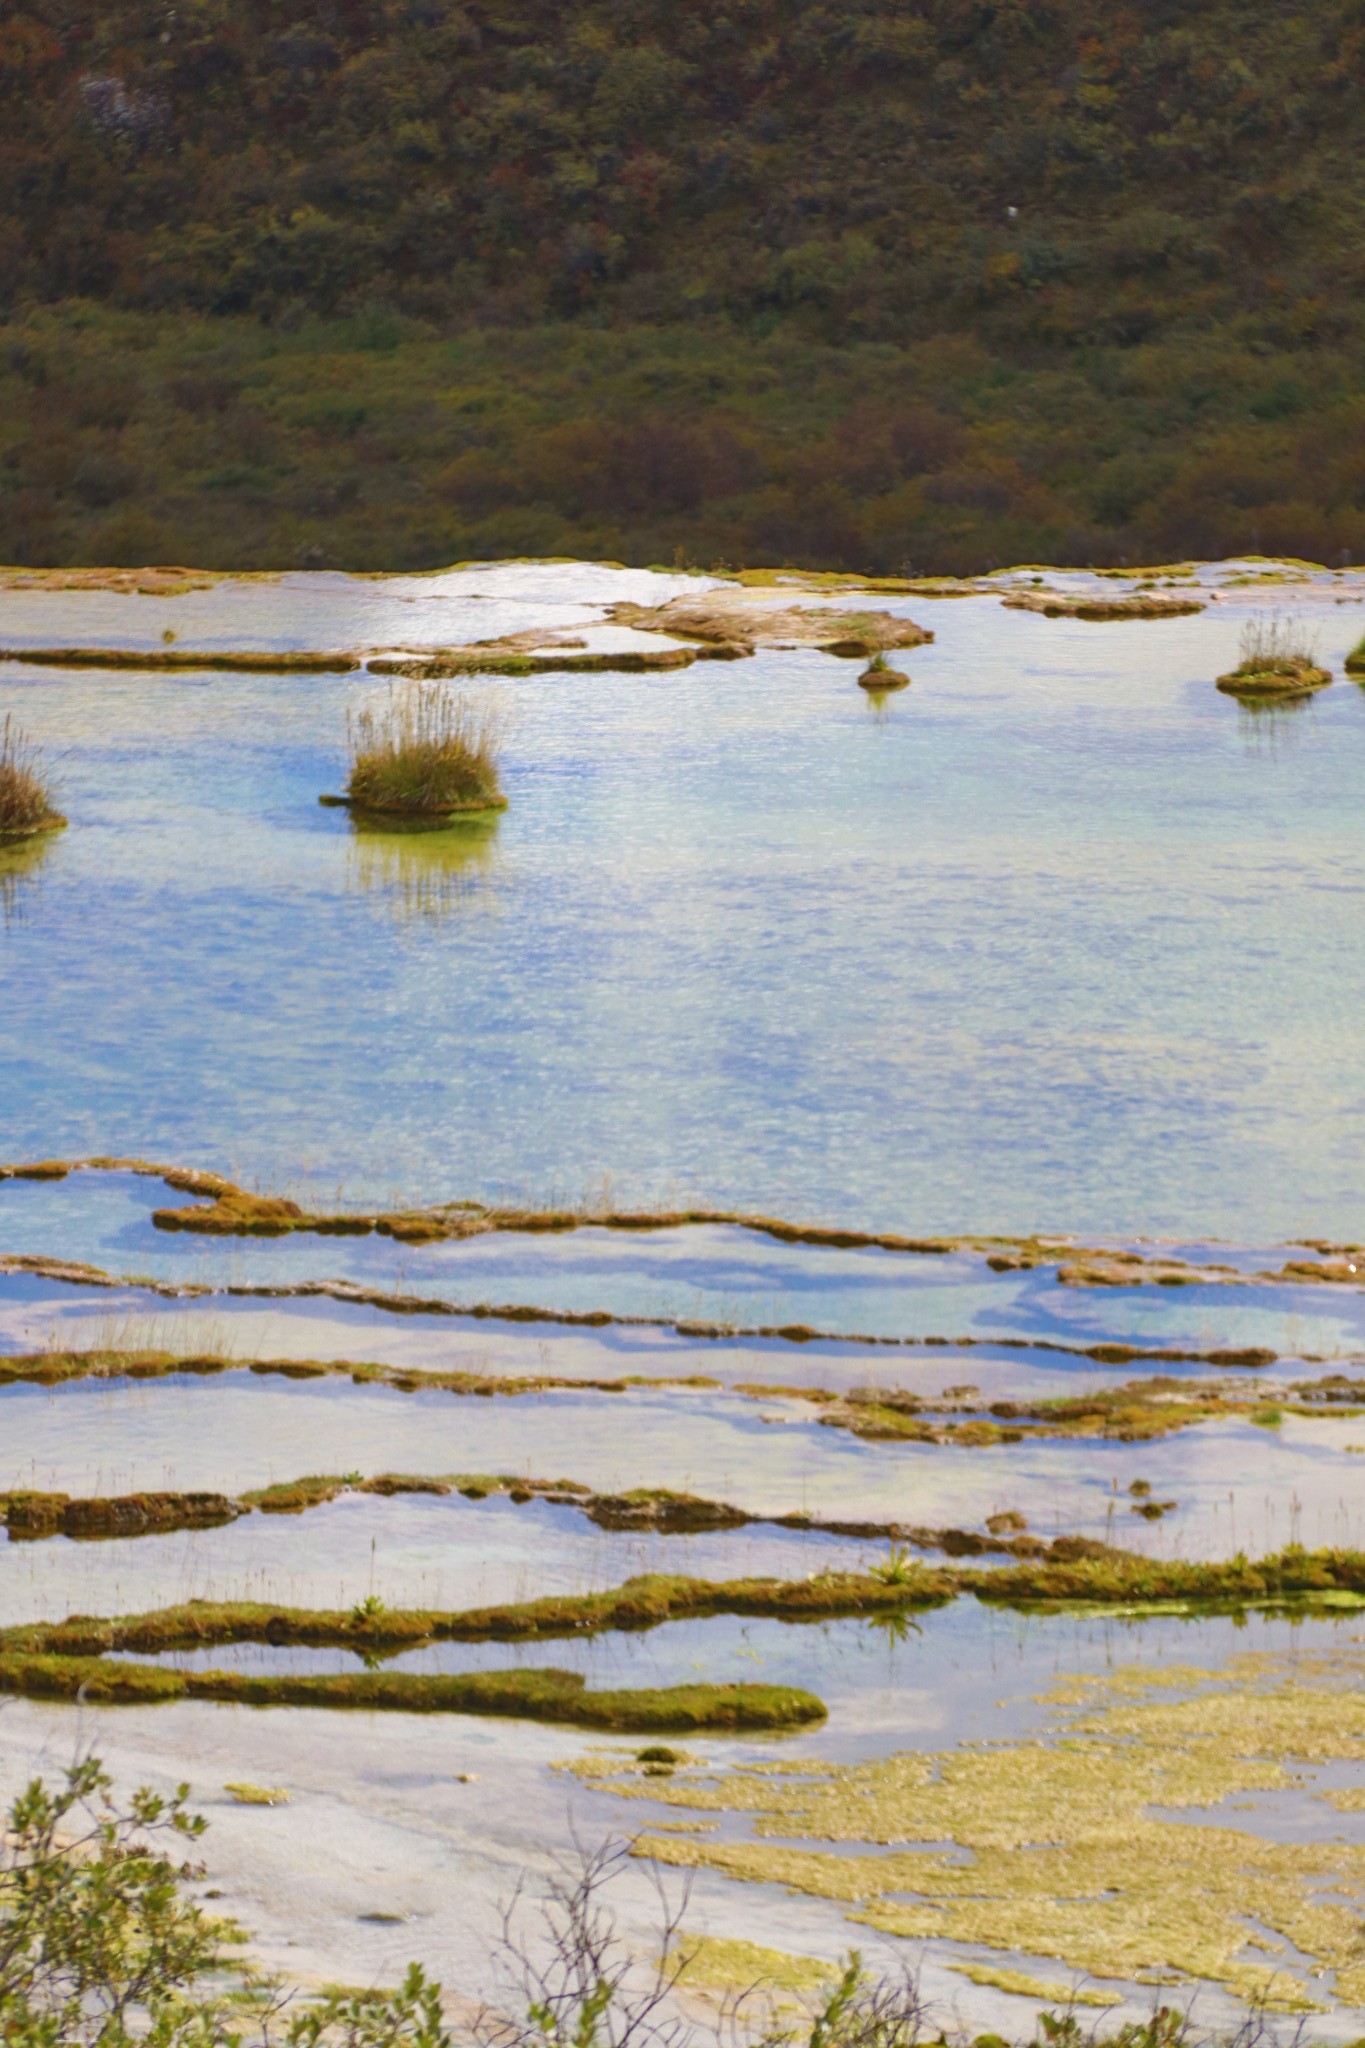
x=714, y=1962
x=1068, y=1854
x=1023, y=1986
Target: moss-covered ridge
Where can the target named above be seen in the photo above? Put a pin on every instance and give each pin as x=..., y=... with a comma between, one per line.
x=1076, y=1573
x=1138, y=1411
x=224, y=1209
x=1056, y=604
x=546, y=1695
x=30, y=1516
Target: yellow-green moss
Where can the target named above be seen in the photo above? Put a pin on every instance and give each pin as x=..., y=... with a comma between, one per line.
x=1066, y=1858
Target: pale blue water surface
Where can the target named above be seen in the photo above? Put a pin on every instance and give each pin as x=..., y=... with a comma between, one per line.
x=1061, y=939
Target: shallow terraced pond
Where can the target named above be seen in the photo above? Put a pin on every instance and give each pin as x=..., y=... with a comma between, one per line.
x=1059, y=941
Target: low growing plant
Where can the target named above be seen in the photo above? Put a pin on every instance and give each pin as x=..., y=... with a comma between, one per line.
x=897, y=1568
x=102, y=1947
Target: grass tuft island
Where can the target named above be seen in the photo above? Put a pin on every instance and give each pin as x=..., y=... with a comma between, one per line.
x=879, y=677
x=427, y=756
x=26, y=807
x=1274, y=663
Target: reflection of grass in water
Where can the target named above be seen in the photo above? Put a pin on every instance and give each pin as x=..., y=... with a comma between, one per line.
x=423, y=873
x=1269, y=726
x=20, y=862
x=1068, y=1855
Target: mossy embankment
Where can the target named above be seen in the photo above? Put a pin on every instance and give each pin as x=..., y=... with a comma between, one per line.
x=659, y=1510
x=440, y=664
x=733, y=620
x=548, y=1695
x=28, y=1517
x=1056, y=604
x=171, y=660
x=225, y=1209
x=1138, y=1411
x=627, y=661
x=1076, y=1573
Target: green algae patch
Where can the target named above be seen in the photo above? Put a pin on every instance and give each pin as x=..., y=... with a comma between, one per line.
x=244, y=1794
x=1066, y=1853
x=738, y=1965
x=541, y=1695
x=1022, y=1985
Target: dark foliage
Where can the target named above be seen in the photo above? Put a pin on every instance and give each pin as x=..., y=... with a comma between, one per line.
x=858, y=284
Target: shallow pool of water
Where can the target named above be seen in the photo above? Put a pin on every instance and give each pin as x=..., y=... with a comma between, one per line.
x=1055, y=942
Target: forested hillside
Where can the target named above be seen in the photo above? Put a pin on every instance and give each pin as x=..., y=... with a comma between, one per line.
x=840, y=282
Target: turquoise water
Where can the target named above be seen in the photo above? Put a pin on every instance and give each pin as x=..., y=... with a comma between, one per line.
x=1062, y=939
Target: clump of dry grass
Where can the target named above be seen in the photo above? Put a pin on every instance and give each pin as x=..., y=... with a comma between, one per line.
x=1277, y=659
x=1274, y=646
x=427, y=751
x=25, y=799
